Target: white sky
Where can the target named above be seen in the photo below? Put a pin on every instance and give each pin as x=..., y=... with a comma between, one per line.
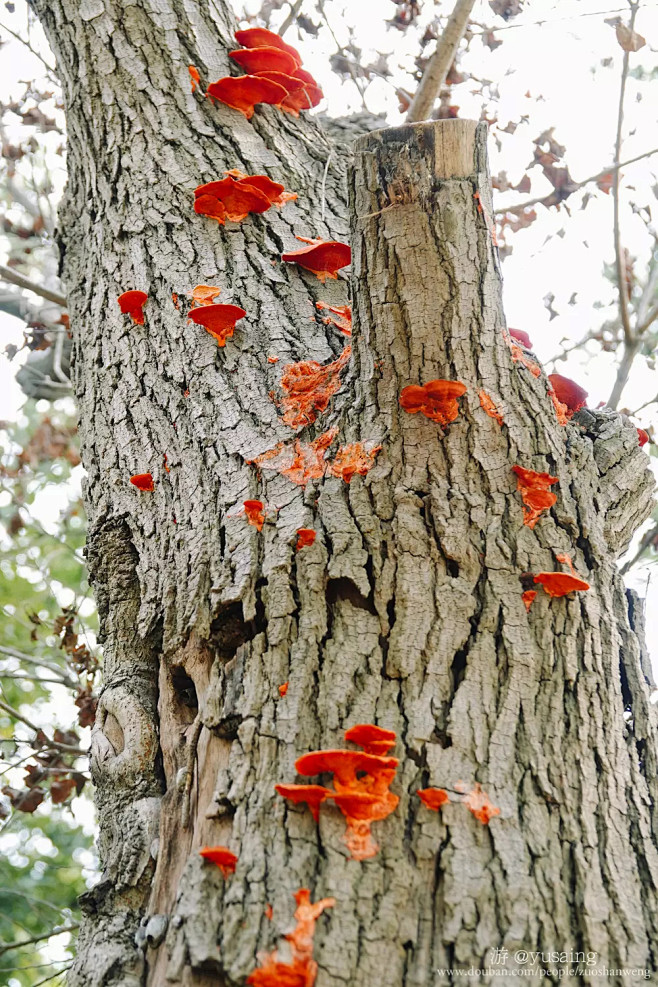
x=559, y=63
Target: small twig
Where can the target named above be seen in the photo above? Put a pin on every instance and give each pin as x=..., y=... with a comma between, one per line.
x=50, y=666
x=197, y=727
x=539, y=199
x=647, y=540
x=620, y=264
x=439, y=64
x=5, y=947
x=651, y=317
x=294, y=10
x=324, y=181
x=36, y=54
x=653, y=400
x=46, y=742
x=341, y=51
x=6, y=274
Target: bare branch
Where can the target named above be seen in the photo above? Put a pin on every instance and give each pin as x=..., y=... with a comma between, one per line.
x=294, y=10
x=546, y=199
x=620, y=265
x=46, y=741
x=651, y=317
x=57, y=931
x=440, y=62
x=6, y=274
x=648, y=539
x=50, y=666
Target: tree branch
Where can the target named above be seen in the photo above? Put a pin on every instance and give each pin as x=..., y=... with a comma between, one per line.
x=437, y=68
x=294, y=10
x=5, y=947
x=620, y=265
x=544, y=199
x=6, y=274
x=46, y=742
x=646, y=541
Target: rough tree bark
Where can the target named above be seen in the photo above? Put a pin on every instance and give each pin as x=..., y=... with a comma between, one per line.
x=407, y=609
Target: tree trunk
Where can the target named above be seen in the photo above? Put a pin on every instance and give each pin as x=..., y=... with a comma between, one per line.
x=407, y=609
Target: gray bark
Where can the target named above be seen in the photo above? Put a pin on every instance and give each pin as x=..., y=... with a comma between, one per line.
x=407, y=609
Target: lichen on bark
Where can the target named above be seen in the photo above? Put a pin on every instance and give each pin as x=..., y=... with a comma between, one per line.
x=406, y=610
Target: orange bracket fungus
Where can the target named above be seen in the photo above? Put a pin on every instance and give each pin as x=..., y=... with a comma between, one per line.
x=361, y=785
x=528, y=597
x=521, y=337
x=283, y=689
x=324, y=258
x=312, y=795
x=373, y=739
x=143, y=481
x=561, y=583
x=490, y=407
x=433, y=798
x=273, y=191
x=305, y=536
x=203, y=294
x=308, y=388
x=229, y=199
x=243, y=92
x=265, y=58
x=260, y=37
x=476, y=801
x=302, y=969
x=221, y=856
x=300, y=461
x=341, y=317
x=218, y=320
x=253, y=510
x=567, y=397
x=195, y=78
x=642, y=437
x=132, y=303
x=303, y=98
x=437, y=400
x=356, y=458
x=535, y=493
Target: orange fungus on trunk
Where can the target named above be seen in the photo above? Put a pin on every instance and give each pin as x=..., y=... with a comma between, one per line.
x=132, y=303
x=222, y=857
x=305, y=536
x=243, y=92
x=361, y=784
x=535, y=494
x=436, y=400
x=143, y=481
x=324, y=258
x=218, y=320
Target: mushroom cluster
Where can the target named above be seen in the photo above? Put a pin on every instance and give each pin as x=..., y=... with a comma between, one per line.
x=274, y=75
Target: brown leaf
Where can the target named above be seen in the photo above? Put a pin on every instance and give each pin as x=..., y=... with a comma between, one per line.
x=61, y=790
x=629, y=40
x=524, y=185
x=26, y=800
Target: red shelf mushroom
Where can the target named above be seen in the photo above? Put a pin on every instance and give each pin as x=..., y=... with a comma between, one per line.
x=436, y=400
x=222, y=857
x=535, y=493
x=143, y=481
x=361, y=785
x=218, y=320
x=132, y=303
x=305, y=537
x=265, y=58
x=324, y=258
x=243, y=92
x=260, y=37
